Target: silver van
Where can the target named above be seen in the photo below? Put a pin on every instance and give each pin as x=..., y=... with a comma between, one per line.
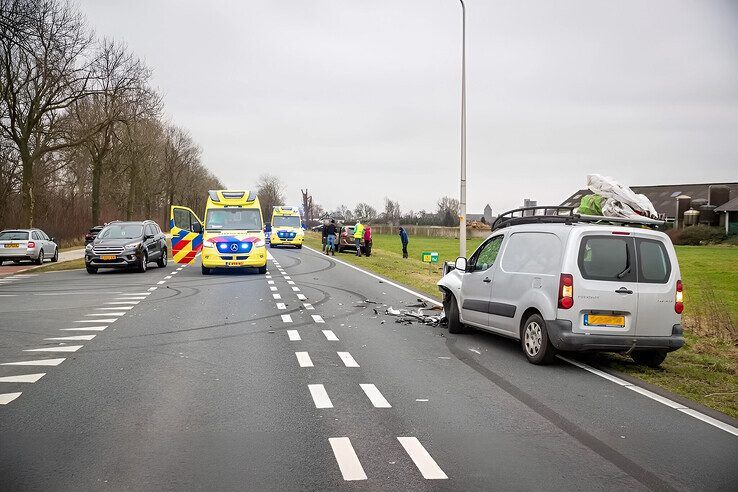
x=569, y=282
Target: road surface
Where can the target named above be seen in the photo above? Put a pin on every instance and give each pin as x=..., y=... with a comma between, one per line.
x=176, y=380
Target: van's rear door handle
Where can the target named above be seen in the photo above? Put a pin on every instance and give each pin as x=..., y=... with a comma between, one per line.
x=487, y=280
x=623, y=290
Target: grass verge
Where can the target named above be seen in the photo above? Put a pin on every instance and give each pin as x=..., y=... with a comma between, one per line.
x=61, y=265
x=704, y=370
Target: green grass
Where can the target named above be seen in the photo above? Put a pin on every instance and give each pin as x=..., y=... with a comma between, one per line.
x=61, y=265
x=704, y=370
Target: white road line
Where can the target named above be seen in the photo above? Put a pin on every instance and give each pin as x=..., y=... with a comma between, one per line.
x=131, y=298
x=270, y=282
x=23, y=378
x=273, y=288
x=287, y=277
x=160, y=282
x=422, y=459
x=117, y=308
x=656, y=397
x=107, y=314
x=39, y=362
x=286, y=318
x=330, y=336
x=346, y=458
x=121, y=303
x=109, y=320
x=61, y=348
x=294, y=335
x=6, y=398
x=86, y=328
x=135, y=293
x=317, y=318
x=347, y=359
x=151, y=289
x=276, y=296
x=375, y=396
x=180, y=269
x=302, y=297
x=8, y=295
x=290, y=282
x=295, y=289
x=167, y=277
x=267, y=276
x=308, y=306
x=303, y=358
x=74, y=337
x=174, y=273
x=320, y=396
x=281, y=305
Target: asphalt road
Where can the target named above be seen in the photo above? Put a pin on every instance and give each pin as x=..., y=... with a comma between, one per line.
x=292, y=382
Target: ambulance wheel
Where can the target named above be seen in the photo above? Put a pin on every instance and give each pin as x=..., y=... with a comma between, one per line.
x=206, y=271
x=262, y=270
x=299, y=246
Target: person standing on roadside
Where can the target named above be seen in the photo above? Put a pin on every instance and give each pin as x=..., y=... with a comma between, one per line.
x=325, y=234
x=404, y=239
x=367, y=240
x=358, y=235
x=330, y=248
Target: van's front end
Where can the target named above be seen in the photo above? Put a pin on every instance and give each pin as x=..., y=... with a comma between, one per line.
x=286, y=227
x=233, y=232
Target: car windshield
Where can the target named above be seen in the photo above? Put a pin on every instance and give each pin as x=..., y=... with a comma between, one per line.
x=13, y=236
x=286, y=221
x=239, y=219
x=121, y=231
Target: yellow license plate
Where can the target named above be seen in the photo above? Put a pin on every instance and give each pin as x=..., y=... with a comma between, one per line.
x=108, y=257
x=12, y=245
x=234, y=263
x=604, y=320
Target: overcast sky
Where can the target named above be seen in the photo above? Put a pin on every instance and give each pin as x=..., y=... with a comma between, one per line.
x=360, y=99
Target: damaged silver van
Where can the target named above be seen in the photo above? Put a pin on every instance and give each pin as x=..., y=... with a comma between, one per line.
x=560, y=281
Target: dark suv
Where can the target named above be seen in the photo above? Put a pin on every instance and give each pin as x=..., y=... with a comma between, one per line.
x=127, y=244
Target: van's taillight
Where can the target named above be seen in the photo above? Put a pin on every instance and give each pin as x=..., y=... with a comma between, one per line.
x=679, y=299
x=566, y=291
x=31, y=244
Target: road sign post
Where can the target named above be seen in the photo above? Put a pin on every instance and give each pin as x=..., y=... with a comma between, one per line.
x=429, y=257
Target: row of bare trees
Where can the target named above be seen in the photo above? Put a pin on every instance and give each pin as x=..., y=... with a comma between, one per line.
x=446, y=214
x=82, y=136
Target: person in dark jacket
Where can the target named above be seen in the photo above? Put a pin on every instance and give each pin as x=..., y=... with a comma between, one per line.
x=325, y=235
x=405, y=240
x=367, y=240
x=330, y=248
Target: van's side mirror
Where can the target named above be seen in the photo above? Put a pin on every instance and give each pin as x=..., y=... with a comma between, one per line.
x=460, y=263
x=197, y=227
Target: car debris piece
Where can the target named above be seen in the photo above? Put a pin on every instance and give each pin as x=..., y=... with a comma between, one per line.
x=407, y=317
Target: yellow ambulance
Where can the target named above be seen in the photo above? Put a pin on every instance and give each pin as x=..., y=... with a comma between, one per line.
x=231, y=236
x=286, y=227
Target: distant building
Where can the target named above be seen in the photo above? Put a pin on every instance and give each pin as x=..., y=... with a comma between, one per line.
x=729, y=216
x=488, y=214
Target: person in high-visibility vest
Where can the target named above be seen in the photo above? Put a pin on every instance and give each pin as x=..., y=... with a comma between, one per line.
x=358, y=235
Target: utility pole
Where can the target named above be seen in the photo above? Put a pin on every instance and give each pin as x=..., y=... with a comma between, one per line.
x=462, y=200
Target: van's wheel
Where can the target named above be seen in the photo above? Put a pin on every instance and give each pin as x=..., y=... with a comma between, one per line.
x=55, y=258
x=534, y=339
x=206, y=271
x=162, y=262
x=452, y=314
x=91, y=270
x=143, y=263
x=650, y=358
x=40, y=259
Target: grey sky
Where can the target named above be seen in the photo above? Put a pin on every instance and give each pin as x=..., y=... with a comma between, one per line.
x=359, y=99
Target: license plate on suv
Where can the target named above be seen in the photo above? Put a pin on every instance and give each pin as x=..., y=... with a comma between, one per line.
x=604, y=320
x=108, y=257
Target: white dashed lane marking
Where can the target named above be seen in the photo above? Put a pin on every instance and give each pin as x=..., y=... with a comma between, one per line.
x=270, y=282
x=287, y=277
x=122, y=303
x=131, y=298
x=294, y=335
x=317, y=318
x=303, y=358
x=295, y=289
x=273, y=288
x=320, y=396
x=86, y=328
x=281, y=305
x=302, y=297
x=330, y=336
x=286, y=318
x=72, y=338
x=308, y=306
x=61, y=348
x=6, y=398
x=375, y=396
x=422, y=459
x=108, y=320
x=290, y=282
x=23, y=378
x=346, y=458
x=151, y=289
x=117, y=308
x=160, y=282
x=39, y=362
x=167, y=277
x=107, y=314
x=276, y=296
x=347, y=359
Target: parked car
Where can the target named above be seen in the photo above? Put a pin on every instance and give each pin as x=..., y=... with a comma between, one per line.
x=92, y=234
x=27, y=244
x=346, y=238
x=127, y=245
x=569, y=283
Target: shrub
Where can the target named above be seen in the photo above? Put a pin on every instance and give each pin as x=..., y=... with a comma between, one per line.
x=700, y=234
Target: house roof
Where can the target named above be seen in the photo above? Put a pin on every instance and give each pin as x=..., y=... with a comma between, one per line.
x=731, y=206
x=663, y=197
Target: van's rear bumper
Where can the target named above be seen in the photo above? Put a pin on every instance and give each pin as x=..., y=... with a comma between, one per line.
x=561, y=336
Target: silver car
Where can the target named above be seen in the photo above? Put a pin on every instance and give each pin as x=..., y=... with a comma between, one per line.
x=27, y=244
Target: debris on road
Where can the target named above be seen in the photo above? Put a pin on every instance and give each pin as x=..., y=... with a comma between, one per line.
x=406, y=316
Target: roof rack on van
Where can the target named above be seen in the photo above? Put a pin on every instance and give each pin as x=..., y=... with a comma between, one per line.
x=566, y=215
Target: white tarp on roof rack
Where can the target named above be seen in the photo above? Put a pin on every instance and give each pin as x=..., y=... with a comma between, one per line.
x=620, y=200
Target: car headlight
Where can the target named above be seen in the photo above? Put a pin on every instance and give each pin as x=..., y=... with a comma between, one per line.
x=259, y=243
x=207, y=244
x=88, y=247
x=132, y=246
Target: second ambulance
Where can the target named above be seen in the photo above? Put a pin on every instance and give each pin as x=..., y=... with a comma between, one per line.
x=286, y=227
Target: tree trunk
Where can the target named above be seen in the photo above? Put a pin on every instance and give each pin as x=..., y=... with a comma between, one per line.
x=131, y=193
x=28, y=201
x=96, y=177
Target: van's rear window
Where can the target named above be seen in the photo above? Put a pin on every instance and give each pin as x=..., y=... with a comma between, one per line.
x=653, y=261
x=607, y=258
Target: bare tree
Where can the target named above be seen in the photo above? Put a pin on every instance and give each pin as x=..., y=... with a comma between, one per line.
x=42, y=74
x=364, y=211
x=391, y=211
x=270, y=190
x=448, y=211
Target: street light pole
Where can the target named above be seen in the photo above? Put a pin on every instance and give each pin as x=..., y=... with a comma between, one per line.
x=462, y=201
